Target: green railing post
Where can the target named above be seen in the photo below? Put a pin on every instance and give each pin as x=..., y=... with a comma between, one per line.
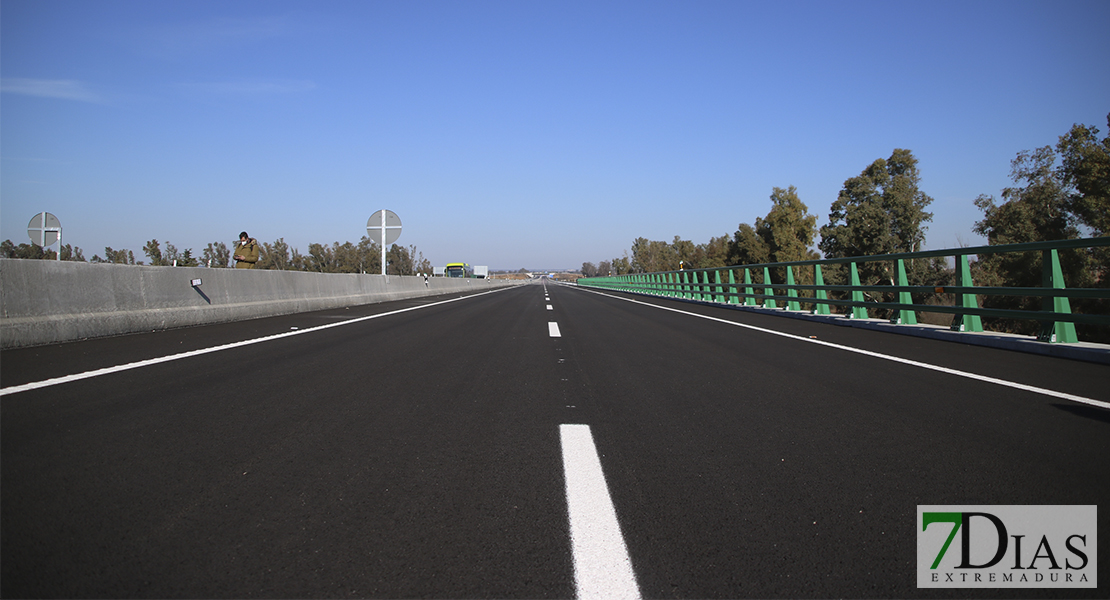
x=793, y=293
x=966, y=322
x=905, y=317
x=820, y=308
x=767, y=290
x=858, y=312
x=748, y=289
x=1056, y=320
x=1053, y=277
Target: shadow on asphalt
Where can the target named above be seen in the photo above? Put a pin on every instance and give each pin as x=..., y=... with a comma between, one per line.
x=1082, y=410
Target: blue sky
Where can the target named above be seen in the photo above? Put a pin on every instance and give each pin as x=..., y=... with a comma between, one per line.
x=518, y=134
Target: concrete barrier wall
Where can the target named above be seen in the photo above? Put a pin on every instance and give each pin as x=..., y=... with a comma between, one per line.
x=46, y=301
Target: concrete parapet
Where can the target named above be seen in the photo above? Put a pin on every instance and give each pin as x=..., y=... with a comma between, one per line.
x=45, y=301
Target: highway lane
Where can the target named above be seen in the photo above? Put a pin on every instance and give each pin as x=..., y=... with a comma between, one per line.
x=760, y=466
x=393, y=457
x=418, y=453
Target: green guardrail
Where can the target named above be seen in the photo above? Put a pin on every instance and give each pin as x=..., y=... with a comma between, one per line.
x=721, y=285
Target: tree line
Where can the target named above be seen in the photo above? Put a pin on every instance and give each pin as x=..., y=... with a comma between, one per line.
x=364, y=257
x=1060, y=192
x=880, y=211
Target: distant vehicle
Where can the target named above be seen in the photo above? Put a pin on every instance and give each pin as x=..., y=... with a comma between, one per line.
x=459, y=270
x=481, y=272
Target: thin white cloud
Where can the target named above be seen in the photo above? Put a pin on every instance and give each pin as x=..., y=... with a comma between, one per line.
x=249, y=87
x=218, y=34
x=63, y=89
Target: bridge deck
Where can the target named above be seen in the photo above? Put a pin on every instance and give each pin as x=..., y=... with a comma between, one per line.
x=413, y=449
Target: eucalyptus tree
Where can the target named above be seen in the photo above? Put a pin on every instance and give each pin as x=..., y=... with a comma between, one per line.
x=273, y=256
x=119, y=257
x=650, y=256
x=788, y=229
x=1058, y=192
x=747, y=247
x=881, y=211
x=153, y=251
x=1085, y=174
x=217, y=255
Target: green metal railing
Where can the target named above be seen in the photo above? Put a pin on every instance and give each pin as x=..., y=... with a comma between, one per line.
x=721, y=285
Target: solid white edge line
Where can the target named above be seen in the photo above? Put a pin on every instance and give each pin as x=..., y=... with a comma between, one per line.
x=602, y=568
x=553, y=329
x=905, y=361
x=15, y=389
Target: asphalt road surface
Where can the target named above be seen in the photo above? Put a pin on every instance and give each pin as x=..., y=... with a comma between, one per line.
x=541, y=441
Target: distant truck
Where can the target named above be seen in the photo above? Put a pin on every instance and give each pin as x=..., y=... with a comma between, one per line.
x=481, y=272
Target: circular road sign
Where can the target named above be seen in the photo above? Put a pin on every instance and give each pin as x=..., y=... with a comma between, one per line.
x=384, y=227
x=44, y=229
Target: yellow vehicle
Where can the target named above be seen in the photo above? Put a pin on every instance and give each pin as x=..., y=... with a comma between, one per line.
x=458, y=270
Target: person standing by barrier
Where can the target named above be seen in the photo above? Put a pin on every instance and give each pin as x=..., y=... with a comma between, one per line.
x=246, y=253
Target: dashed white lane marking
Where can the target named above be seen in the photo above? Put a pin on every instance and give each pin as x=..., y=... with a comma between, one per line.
x=15, y=389
x=905, y=361
x=602, y=568
x=549, y=307
x=553, y=329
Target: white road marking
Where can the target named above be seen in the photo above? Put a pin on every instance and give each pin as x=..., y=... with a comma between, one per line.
x=15, y=389
x=602, y=568
x=553, y=329
x=905, y=361
x=549, y=307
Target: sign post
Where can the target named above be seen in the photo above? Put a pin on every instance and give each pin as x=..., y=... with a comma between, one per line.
x=45, y=229
x=383, y=227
